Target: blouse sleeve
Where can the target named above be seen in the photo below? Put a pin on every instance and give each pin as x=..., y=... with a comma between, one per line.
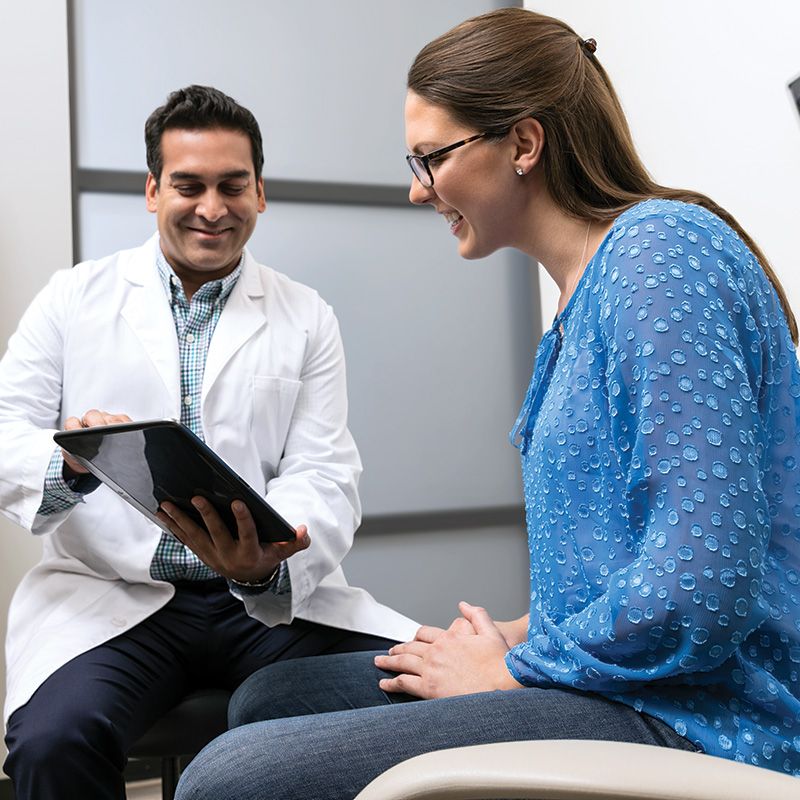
x=691, y=336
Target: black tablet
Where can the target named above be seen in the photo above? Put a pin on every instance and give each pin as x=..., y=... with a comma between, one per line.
x=149, y=462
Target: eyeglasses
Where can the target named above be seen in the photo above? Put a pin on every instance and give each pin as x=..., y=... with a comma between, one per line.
x=420, y=165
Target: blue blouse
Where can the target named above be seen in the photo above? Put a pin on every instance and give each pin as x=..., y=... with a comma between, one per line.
x=660, y=444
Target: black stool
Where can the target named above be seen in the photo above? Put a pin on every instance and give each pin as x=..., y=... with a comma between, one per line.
x=183, y=731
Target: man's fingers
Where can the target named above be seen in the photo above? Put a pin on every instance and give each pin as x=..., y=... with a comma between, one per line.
x=301, y=537
x=245, y=525
x=180, y=523
x=301, y=541
x=90, y=419
x=218, y=530
x=93, y=418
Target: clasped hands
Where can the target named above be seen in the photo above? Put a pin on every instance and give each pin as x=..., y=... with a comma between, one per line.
x=466, y=658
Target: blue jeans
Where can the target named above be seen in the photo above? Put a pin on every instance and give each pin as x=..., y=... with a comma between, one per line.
x=358, y=731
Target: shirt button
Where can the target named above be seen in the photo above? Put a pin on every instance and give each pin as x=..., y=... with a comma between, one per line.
x=189, y=338
x=119, y=622
x=187, y=401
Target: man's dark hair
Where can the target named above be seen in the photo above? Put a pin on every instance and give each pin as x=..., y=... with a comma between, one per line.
x=199, y=108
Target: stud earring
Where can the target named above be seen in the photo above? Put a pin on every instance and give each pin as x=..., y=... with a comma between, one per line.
x=519, y=170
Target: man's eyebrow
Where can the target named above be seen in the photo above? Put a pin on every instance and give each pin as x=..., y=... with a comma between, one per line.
x=193, y=176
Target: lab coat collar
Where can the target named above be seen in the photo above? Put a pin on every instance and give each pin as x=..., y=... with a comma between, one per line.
x=148, y=313
x=242, y=318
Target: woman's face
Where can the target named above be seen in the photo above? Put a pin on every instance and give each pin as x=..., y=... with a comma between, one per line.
x=472, y=184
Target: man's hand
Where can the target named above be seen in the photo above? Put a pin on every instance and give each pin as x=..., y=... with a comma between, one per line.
x=439, y=663
x=242, y=559
x=91, y=419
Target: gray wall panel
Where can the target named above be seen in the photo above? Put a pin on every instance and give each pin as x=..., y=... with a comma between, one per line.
x=325, y=78
x=438, y=348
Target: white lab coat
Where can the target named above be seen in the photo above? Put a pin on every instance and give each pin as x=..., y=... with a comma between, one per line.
x=274, y=407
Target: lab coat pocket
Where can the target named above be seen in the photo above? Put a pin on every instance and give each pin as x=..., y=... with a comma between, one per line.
x=274, y=401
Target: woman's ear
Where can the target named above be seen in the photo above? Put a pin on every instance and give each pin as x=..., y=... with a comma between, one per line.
x=527, y=138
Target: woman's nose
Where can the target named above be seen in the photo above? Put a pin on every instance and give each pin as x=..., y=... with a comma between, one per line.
x=419, y=194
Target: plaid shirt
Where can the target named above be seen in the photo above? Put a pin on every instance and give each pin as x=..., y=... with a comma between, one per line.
x=195, y=323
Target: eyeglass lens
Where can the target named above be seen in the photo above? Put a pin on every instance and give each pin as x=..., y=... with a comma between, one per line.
x=418, y=168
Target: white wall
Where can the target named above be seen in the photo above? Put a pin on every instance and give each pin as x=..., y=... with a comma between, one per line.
x=703, y=84
x=35, y=204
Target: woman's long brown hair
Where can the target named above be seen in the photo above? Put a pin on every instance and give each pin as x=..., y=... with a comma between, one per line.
x=498, y=68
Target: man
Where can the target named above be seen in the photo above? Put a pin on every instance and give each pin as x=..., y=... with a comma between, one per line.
x=119, y=620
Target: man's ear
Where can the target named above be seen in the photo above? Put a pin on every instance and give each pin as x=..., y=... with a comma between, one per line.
x=262, y=201
x=151, y=193
x=527, y=137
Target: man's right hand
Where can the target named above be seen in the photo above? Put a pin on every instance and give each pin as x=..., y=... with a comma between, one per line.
x=91, y=419
x=242, y=559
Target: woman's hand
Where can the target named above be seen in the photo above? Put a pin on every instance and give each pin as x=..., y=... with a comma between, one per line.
x=445, y=663
x=514, y=632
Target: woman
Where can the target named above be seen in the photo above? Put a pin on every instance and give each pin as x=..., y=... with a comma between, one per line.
x=660, y=438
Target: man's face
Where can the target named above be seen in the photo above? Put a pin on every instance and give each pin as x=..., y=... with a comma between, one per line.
x=206, y=203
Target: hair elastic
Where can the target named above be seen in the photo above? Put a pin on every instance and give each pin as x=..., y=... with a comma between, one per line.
x=589, y=46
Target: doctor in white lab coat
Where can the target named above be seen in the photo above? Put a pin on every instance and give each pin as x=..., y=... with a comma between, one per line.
x=102, y=336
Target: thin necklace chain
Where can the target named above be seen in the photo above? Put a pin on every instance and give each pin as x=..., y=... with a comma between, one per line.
x=580, y=263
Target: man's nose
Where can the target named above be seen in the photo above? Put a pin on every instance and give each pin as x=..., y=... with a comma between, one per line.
x=211, y=206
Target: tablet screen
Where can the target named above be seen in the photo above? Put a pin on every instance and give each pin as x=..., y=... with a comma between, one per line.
x=149, y=462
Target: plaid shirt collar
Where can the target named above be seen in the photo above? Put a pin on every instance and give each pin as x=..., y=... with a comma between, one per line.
x=211, y=291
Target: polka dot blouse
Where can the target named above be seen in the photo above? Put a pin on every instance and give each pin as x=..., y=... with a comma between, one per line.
x=660, y=440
